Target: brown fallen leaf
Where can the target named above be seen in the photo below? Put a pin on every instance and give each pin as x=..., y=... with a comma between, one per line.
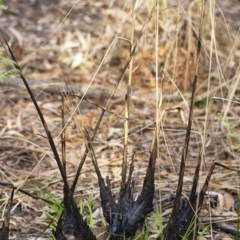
x=228, y=200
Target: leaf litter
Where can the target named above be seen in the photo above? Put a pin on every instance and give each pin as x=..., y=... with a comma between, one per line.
x=52, y=57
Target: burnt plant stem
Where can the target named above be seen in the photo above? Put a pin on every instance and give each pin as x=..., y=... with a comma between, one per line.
x=10, y=185
x=63, y=140
x=48, y=133
x=4, y=231
x=71, y=221
x=172, y=230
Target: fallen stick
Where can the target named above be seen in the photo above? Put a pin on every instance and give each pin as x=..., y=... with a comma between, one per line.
x=55, y=88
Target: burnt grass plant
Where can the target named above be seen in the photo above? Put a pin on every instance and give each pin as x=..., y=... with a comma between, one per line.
x=123, y=215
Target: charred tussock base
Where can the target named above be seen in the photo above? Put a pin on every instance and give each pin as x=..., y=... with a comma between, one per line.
x=126, y=215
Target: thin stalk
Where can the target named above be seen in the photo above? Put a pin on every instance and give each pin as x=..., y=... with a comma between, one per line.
x=127, y=103
x=63, y=139
x=48, y=133
x=196, y=74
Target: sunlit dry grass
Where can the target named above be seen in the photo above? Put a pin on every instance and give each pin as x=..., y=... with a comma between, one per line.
x=88, y=50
